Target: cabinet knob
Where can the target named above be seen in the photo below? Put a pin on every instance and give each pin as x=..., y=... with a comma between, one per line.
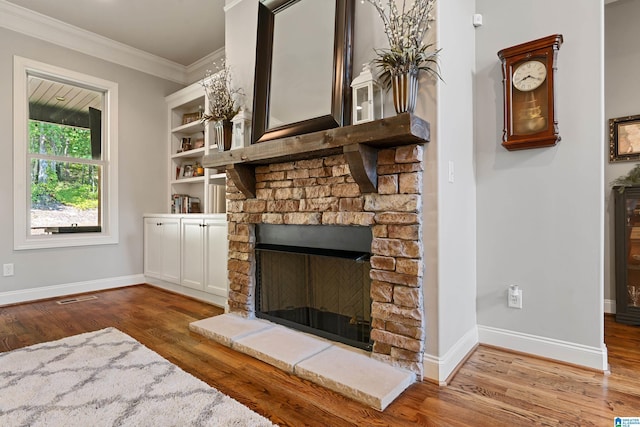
x=158, y=223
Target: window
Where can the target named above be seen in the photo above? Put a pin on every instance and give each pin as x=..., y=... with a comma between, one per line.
x=65, y=157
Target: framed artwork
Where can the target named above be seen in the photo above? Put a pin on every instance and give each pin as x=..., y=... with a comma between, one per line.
x=188, y=171
x=190, y=117
x=624, y=139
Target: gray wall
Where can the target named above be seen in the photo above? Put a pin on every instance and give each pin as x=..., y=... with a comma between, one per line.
x=455, y=202
x=142, y=169
x=622, y=90
x=540, y=212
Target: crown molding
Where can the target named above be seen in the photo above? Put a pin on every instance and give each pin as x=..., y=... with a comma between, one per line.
x=197, y=70
x=45, y=28
x=205, y=60
x=230, y=3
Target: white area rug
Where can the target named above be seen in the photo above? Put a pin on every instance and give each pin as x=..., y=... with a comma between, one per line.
x=106, y=378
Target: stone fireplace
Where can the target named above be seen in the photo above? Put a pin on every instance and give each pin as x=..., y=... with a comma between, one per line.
x=323, y=191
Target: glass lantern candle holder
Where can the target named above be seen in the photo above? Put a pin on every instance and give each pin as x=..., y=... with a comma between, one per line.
x=241, y=129
x=368, y=97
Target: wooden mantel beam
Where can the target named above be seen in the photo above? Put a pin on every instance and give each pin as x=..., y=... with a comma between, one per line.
x=359, y=143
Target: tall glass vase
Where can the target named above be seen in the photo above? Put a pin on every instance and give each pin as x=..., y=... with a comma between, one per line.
x=223, y=130
x=405, y=91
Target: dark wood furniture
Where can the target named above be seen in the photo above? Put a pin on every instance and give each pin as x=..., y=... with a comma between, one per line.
x=627, y=254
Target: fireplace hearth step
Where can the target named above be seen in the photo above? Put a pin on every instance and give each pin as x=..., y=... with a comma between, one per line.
x=281, y=347
x=226, y=329
x=341, y=368
x=356, y=375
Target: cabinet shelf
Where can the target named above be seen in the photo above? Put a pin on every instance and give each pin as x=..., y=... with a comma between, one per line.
x=192, y=180
x=218, y=176
x=189, y=128
x=191, y=154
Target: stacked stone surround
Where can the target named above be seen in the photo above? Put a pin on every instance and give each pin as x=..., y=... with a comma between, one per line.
x=322, y=191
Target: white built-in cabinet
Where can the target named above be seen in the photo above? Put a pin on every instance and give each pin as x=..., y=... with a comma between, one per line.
x=187, y=254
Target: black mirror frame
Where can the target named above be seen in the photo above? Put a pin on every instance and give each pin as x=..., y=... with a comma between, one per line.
x=342, y=61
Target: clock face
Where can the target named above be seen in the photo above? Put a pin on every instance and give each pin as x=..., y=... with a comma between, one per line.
x=529, y=75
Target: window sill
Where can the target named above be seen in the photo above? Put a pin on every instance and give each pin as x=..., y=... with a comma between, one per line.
x=64, y=240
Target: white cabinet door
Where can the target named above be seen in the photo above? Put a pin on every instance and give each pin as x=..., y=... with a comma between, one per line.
x=215, y=256
x=192, y=253
x=162, y=248
x=171, y=249
x=153, y=247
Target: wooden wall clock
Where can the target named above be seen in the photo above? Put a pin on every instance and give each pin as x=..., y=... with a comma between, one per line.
x=528, y=72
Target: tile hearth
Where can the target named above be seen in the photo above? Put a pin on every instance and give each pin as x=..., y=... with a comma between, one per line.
x=346, y=370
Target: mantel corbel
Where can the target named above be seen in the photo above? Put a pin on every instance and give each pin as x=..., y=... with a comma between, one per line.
x=363, y=164
x=244, y=177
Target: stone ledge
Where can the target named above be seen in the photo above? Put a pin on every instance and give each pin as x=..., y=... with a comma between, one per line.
x=227, y=329
x=280, y=347
x=343, y=369
x=357, y=376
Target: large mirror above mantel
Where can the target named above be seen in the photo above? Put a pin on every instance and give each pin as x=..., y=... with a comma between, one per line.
x=303, y=67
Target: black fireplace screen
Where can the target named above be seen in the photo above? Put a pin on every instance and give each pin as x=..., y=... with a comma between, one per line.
x=323, y=291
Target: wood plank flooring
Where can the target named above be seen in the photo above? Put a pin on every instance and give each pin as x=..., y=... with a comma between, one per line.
x=493, y=388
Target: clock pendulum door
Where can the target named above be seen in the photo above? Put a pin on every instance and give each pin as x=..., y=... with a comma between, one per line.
x=529, y=117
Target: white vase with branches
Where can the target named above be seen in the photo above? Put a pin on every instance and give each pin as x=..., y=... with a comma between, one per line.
x=223, y=103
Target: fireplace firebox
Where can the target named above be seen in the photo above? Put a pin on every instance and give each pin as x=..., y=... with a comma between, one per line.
x=316, y=279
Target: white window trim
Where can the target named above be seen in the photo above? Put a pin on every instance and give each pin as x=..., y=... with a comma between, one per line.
x=22, y=238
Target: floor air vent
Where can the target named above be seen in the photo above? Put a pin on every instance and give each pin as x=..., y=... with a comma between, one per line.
x=76, y=299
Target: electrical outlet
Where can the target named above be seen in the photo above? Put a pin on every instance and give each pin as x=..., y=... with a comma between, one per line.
x=7, y=270
x=514, y=299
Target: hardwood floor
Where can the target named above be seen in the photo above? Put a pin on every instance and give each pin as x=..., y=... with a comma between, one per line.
x=493, y=388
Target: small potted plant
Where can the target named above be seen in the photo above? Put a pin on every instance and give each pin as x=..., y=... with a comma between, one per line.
x=630, y=179
x=407, y=54
x=223, y=103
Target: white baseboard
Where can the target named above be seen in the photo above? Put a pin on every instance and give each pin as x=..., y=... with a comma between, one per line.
x=32, y=294
x=610, y=306
x=440, y=368
x=568, y=352
x=217, y=300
